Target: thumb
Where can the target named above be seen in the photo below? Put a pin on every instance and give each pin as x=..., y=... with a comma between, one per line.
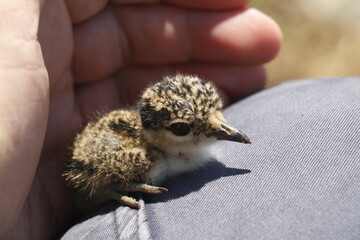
x=24, y=104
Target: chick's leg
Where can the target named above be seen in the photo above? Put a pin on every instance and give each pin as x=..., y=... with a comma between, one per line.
x=123, y=199
x=145, y=188
x=119, y=192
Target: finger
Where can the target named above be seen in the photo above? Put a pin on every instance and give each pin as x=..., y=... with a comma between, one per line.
x=234, y=82
x=125, y=88
x=245, y=37
x=81, y=10
x=200, y=4
x=100, y=47
x=210, y=4
x=24, y=105
x=171, y=35
x=97, y=97
x=56, y=40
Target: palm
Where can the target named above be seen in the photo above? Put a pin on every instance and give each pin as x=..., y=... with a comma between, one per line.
x=103, y=63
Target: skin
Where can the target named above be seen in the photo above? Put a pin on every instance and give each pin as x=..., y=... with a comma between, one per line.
x=62, y=60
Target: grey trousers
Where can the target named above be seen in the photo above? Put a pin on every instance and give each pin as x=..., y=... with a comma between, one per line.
x=299, y=179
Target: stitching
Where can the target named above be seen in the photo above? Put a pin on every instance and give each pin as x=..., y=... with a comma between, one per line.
x=143, y=229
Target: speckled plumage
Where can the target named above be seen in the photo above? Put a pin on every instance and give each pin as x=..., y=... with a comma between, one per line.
x=109, y=150
x=126, y=150
x=186, y=98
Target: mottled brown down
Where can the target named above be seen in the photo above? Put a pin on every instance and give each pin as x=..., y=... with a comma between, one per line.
x=126, y=150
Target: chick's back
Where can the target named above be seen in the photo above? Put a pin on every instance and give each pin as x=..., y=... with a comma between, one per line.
x=109, y=150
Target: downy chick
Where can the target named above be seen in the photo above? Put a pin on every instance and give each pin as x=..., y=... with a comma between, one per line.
x=175, y=122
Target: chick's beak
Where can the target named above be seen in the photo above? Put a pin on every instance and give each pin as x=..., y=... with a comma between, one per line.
x=229, y=133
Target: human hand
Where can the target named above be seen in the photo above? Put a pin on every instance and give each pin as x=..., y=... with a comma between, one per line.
x=99, y=56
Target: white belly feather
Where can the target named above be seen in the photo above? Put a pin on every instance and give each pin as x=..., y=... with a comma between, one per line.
x=180, y=161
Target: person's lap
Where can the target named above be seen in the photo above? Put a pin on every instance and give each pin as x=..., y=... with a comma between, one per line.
x=299, y=179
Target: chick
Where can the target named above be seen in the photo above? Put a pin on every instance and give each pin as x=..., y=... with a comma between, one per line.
x=124, y=151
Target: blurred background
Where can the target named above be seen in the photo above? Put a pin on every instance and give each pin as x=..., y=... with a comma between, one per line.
x=321, y=38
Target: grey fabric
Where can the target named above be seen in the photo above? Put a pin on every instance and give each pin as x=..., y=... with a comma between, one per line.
x=300, y=179
x=111, y=222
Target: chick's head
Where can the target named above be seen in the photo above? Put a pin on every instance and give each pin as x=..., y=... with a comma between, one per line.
x=184, y=110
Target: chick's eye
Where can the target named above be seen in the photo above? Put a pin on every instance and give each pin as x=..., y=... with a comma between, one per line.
x=180, y=129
